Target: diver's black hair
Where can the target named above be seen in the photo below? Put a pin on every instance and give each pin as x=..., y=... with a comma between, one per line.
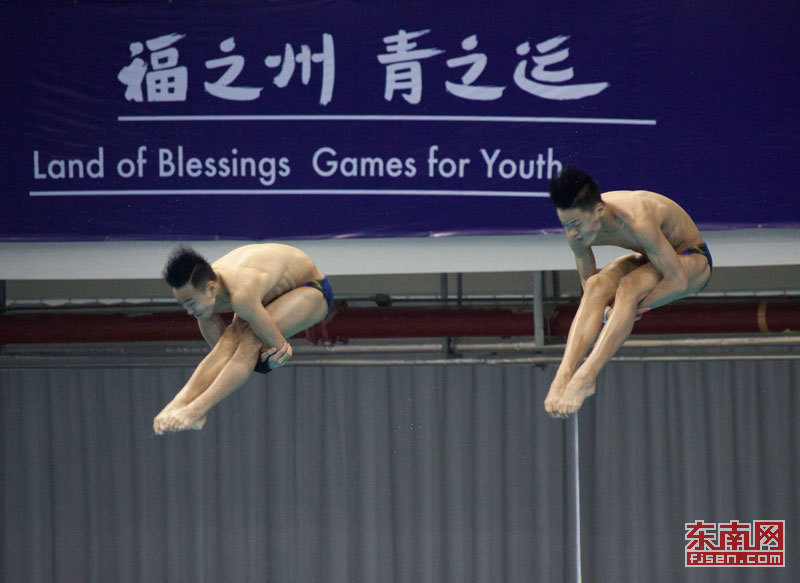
x=185, y=265
x=574, y=188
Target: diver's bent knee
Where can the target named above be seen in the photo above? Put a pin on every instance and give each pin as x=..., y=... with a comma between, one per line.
x=248, y=349
x=239, y=325
x=248, y=339
x=631, y=290
x=600, y=286
x=229, y=337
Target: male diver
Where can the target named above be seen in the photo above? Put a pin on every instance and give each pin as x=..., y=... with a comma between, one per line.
x=274, y=291
x=670, y=261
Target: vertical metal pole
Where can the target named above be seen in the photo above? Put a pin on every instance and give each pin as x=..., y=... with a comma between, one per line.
x=572, y=440
x=573, y=451
x=538, y=308
x=556, y=280
x=445, y=292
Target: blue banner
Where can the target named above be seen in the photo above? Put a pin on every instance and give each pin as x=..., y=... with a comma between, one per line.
x=342, y=118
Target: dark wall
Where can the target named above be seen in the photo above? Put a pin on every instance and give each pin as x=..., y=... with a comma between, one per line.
x=396, y=474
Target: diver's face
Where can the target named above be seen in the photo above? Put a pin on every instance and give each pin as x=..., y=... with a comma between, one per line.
x=580, y=224
x=197, y=302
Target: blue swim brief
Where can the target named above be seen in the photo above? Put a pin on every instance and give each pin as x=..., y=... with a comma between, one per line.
x=324, y=286
x=701, y=249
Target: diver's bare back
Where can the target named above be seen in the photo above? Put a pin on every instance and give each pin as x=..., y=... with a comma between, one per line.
x=634, y=207
x=274, y=267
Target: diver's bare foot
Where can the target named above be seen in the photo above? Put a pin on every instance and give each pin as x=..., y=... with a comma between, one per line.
x=181, y=419
x=160, y=421
x=578, y=389
x=554, y=394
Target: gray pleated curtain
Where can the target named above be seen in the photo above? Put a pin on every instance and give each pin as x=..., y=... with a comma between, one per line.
x=392, y=474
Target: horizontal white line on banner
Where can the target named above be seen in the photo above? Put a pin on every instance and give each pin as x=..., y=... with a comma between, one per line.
x=451, y=118
x=302, y=191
